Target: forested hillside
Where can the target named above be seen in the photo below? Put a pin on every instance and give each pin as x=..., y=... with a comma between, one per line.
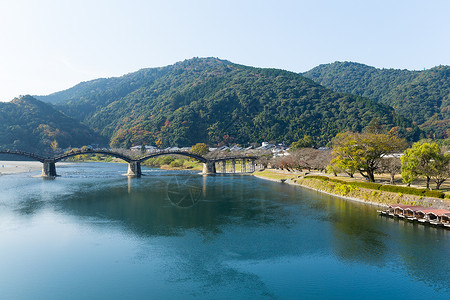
x=422, y=96
x=30, y=125
x=214, y=101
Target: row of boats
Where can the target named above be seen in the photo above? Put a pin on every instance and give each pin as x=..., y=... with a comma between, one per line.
x=433, y=216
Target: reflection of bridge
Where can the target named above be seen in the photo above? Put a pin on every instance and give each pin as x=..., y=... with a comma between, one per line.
x=134, y=164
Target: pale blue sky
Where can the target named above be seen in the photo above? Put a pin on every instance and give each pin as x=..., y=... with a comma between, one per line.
x=50, y=45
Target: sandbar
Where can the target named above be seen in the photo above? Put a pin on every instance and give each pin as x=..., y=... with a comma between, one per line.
x=14, y=167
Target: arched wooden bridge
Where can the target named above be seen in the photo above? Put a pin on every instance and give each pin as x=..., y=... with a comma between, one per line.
x=134, y=164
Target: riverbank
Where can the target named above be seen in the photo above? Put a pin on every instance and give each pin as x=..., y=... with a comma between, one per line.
x=352, y=193
x=15, y=167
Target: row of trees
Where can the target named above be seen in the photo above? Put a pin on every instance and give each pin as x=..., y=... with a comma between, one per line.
x=369, y=153
x=303, y=158
x=373, y=153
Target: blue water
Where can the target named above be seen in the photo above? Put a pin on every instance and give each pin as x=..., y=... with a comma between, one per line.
x=95, y=234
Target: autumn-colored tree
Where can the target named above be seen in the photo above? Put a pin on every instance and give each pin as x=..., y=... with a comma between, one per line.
x=54, y=145
x=159, y=142
x=200, y=149
x=363, y=152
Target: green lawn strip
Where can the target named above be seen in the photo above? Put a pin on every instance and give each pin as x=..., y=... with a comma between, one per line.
x=274, y=175
x=384, y=187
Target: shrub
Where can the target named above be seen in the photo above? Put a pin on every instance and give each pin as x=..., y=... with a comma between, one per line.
x=344, y=189
x=178, y=163
x=166, y=160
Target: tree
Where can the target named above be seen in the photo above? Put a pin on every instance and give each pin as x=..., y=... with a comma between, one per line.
x=332, y=169
x=306, y=142
x=54, y=145
x=264, y=160
x=159, y=143
x=440, y=169
x=309, y=158
x=374, y=126
x=425, y=159
x=417, y=161
x=200, y=149
x=363, y=151
x=344, y=162
x=390, y=165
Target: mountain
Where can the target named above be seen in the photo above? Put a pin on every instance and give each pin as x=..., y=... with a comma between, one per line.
x=30, y=125
x=215, y=101
x=422, y=96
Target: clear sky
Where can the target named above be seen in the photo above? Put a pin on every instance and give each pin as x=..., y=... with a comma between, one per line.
x=51, y=45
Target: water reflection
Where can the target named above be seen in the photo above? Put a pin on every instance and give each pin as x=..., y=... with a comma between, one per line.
x=154, y=205
x=237, y=231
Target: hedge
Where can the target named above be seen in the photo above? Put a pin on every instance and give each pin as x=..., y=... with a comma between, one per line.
x=383, y=187
x=403, y=190
x=435, y=194
x=366, y=185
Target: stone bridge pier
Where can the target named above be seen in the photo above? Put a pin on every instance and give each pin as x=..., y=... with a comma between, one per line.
x=243, y=166
x=134, y=169
x=49, y=168
x=209, y=167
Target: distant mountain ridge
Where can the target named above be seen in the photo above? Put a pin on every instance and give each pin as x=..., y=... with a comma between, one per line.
x=422, y=96
x=215, y=101
x=30, y=125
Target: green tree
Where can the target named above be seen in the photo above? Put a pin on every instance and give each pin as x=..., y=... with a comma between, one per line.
x=363, y=151
x=306, y=142
x=374, y=126
x=200, y=149
x=343, y=155
x=425, y=159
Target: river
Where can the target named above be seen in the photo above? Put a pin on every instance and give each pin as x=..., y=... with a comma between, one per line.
x=95, y=234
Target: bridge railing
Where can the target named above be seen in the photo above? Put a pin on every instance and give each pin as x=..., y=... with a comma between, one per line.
x=127, y=158
x=24, y=154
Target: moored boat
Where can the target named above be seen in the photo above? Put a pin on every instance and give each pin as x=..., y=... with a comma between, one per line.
x=445, y=219
x=433, y=216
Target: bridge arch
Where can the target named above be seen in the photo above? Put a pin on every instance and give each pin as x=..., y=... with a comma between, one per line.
x=24, y=154
x=82, y=152
x=182, y=153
